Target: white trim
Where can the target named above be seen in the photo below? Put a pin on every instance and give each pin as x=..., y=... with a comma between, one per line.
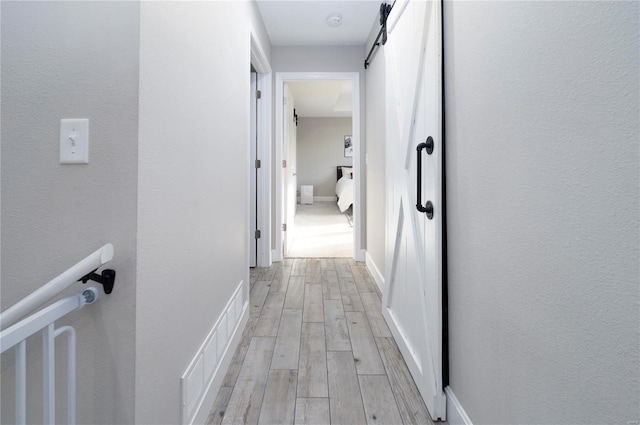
x=375, y=272
x=281, y=78
x=212, y=384
x=264, y=177
x=455, y=412
x=252, y=193
x=263, y=187
x=258, y=58
x=212, y=390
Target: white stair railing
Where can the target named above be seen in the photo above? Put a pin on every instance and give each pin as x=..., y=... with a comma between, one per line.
x=56, y=285
x=16, y=334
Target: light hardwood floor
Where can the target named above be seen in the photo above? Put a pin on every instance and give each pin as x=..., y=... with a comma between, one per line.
x=316, y=350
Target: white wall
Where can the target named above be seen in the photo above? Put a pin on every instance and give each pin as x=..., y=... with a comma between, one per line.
x=320, y=150
x=375, y=151
x=72, y=60
x=317, y=58
x=166, y=87
x=543, y=203
x=193, y=186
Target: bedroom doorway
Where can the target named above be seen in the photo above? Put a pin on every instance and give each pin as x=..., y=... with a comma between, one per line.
x=324, y=169
x=317, y=134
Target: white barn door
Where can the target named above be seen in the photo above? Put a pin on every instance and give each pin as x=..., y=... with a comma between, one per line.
x=412, y=301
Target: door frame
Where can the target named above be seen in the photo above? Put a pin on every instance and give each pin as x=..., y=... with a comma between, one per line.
x=289, y=141
x=253, y=171
x=263, y=186
x=358, y=208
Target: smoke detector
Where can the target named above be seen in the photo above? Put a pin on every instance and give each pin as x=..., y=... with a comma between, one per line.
x=334, y=20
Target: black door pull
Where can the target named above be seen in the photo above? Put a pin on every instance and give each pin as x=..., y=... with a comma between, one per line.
x=428, y=207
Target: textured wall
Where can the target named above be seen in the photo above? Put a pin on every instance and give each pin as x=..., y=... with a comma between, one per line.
x=193, y=186
x=320, y=150
x=375, y=151
x=543, y=206
x=72, y=60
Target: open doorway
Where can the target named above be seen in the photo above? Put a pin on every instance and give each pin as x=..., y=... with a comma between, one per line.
x=318, y=145
x=323, y=222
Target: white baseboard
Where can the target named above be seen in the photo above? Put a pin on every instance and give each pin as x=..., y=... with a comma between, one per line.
x=321, y=199
x=276, y=256
x=325, y=199
x=202, y=379
x=375, y=272
x=455, y=413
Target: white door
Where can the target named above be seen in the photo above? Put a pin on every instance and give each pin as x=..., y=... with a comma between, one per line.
x=253, y=193
x=413, y=294
x=290, y=179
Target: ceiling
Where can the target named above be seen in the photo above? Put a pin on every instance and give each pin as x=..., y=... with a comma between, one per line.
x=304, y=22
x=330, y=98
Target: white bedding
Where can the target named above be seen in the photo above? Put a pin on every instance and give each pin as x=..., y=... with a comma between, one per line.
x=344, y=190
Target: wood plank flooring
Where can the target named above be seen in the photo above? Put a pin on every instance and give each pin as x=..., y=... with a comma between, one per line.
x=317, y=350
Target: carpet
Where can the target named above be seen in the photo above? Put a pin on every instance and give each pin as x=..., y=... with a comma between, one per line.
x=321, y=230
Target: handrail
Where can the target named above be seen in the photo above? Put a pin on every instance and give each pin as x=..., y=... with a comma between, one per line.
x=44, y=320
x=38, y=321
x=56, y=285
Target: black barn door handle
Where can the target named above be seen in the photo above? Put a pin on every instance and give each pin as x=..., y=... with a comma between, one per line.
x=428, y=208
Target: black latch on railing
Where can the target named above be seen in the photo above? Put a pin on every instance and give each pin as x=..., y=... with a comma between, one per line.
x=107, y=279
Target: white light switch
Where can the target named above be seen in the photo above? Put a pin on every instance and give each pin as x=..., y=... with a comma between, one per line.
x=74, y=141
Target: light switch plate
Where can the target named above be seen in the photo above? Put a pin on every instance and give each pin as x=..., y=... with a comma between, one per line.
x=74, y=141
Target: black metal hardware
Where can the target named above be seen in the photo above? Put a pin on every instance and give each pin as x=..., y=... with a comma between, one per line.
x=428, y=207
x=430, y=145
x=385, y=9
x=107, y=279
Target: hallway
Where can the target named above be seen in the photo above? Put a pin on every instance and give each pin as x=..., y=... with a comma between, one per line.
x=331, y=359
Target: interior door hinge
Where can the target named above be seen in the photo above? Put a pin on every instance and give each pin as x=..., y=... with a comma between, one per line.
x=258, y=234
x=258, y=163
x=258, y=94
x=284, y=100
x=284, y=227
x=284, y=163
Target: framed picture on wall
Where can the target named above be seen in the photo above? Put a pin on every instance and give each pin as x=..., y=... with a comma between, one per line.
x=348, y=147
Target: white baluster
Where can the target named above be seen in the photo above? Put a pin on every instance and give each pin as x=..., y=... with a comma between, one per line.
x=21, y=383
x=49, y=370
x=71, y=370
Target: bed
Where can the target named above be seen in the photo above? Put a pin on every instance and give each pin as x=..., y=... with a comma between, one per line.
x=344, y=187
